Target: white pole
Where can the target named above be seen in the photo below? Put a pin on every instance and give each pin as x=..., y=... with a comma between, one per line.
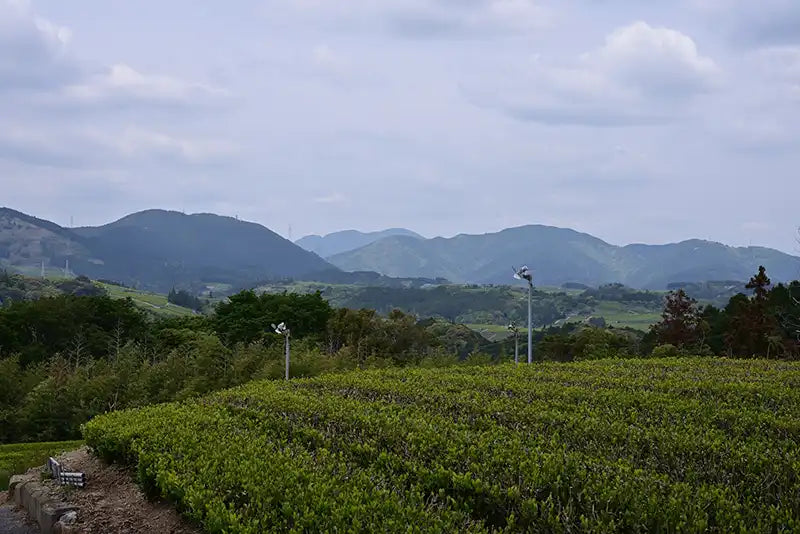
x=287, y=354
x=530, y=330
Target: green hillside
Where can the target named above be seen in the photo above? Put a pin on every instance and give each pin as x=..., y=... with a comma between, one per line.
x=148, y=301
x=156, y=250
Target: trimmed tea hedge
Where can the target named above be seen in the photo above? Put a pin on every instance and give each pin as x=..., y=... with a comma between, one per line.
x=678, y=445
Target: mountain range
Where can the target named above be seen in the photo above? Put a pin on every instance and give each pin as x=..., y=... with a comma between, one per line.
x=559, y=255
x=346, y=240
x=157, y=249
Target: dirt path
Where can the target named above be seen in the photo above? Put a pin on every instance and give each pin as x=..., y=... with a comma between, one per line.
x=112, y=503
x=13, y=520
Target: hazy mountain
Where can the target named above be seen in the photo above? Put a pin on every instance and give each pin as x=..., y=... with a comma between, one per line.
x=559, y=255
x=347, y=240
x=158, y=249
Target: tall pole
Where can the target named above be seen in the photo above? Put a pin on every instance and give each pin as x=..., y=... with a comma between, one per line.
x=530, y=329
x=516, y=347
x=287, y=354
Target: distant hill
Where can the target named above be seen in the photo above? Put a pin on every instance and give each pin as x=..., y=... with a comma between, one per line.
x=348, y=240
x=16, y=287
x=27, y=241
x=558, y=256
x=157, y=249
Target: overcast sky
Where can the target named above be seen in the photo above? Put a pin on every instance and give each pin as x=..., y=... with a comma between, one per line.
x=636, y=121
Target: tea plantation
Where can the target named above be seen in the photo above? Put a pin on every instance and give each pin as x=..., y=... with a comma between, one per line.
x=669, y=445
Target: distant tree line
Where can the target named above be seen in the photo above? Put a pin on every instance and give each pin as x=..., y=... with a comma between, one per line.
x=763, y=324
x=183, y=298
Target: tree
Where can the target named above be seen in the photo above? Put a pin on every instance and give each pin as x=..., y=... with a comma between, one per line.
x=246, y=317
x=784, y=305
x=78, y=326
x=751, y=321
x=760, y=284
x=185, y=299
x=681, y=324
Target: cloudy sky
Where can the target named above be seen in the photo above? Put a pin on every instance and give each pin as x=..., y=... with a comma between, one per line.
x=635, y=121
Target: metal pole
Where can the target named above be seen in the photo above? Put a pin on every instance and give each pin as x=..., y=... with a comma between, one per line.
x=287, y=355
x=516, y=347
x=530, y=329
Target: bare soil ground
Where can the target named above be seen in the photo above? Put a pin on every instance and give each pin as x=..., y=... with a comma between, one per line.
x=112, y=503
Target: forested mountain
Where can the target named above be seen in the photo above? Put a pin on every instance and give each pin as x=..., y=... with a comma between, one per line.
x=157, y=249
x=347, y=240
x=559, y=256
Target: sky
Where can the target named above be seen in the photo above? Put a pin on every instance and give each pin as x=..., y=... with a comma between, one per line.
x=634, y=121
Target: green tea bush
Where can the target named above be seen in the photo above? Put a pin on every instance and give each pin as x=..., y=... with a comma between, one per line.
x=657, y=445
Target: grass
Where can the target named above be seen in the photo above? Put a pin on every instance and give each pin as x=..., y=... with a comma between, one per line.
x=616, y=314
x=153, y=302
x=622, y=315
x=17, y=458
x=496, y=332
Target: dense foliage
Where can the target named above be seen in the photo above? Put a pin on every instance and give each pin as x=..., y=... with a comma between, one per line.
x=247, y=317
x=67, y=359
x=16, y=287
x=765, y=324
x=184, y=298
x=690, y=445
x=75, y=327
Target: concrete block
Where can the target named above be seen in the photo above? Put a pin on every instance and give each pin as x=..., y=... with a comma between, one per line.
x=17, y=488
x=49, y=514
x=68, y=524
x=15, y=480
x=35, y=499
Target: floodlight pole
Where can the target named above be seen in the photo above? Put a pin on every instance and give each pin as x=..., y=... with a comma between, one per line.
x=283, y=330
x=523, y=273
x=530, y=329
x=286, y=336
x=515, y=330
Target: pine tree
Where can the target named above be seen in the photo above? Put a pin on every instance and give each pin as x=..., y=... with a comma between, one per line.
x=681, y=322
x=752, y=322
x=760, y=285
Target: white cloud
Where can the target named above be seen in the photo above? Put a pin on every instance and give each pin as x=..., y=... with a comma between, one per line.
x=333, y=198
x=658, y=61
x=80, y=147
x=136, y=142
x=329, y=61
x=32, y=49
x=34, y=55
x=122, y=82
x=641, y=75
